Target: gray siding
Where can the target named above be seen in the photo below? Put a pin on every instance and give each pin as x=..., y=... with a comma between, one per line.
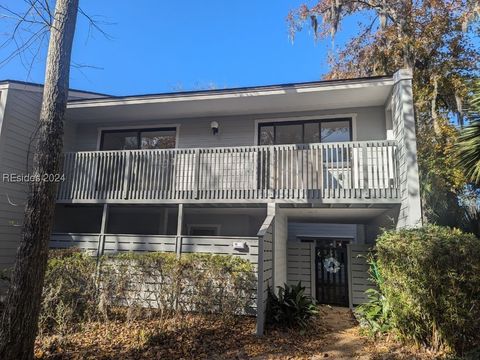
x=19, y=115
x=404, y=132
x=19, y=124
x=299, y=259
x=233, y=130
x=359, y=278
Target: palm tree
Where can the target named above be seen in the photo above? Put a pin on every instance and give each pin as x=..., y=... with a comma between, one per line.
x=469, y=141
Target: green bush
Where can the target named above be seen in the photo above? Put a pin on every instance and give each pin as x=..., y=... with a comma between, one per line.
x=196, y=282
x=375, y=315
x=432, y=285
x=75, y=290
x=291, y=307
x=4, y=283
x=69, y=291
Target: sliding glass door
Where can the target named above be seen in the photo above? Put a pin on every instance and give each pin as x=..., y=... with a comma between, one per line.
x=136, y=139
x=299, y=162
x=305, y=132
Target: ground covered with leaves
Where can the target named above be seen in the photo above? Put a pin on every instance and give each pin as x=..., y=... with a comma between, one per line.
x=333, y=334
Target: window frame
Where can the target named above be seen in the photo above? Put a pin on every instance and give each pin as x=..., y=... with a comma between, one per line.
x=139, y=131
x=319, y=121
x=280, y=119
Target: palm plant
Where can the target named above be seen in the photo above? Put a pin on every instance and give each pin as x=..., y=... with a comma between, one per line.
x=291, y=307
x=469, y=142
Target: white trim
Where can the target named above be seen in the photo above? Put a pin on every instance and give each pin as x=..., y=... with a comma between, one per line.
x=3, y=112
x=135, y=127
x=353, y=116
x=215, y=226
x=233, y=93
x=84, y=95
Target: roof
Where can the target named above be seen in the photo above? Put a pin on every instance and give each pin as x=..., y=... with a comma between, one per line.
x=285, y=86
x=26, y=83
x=254, y=100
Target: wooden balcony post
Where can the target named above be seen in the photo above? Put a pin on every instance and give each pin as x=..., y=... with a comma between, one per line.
x=197, y=174
x=271, y=171
x=366, y=193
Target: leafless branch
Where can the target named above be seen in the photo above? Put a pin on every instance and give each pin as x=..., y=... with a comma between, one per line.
x=29, y=29
x=83, y=66
x=93, y=24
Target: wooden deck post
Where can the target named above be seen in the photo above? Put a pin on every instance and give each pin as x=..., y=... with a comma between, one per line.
x=165, y=221
x=349, y=269
x=101, y=244
x=103, y=231
x=260, y=325
x=265, y=269
x=178, y=245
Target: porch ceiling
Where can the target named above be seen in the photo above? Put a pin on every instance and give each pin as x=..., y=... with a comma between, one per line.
x=334, y=215
x=226, y=210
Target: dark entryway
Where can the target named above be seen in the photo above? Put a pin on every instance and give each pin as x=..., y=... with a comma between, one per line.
x=331, y=272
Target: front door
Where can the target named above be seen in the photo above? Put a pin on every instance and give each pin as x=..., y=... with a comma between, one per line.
x=331, y=272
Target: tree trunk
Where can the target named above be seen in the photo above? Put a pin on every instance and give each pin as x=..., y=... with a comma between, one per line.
x=19, y=321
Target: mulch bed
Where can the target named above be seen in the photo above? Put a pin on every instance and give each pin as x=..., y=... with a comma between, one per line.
x=200, y=337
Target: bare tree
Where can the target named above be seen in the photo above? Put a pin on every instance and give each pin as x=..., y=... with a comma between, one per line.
x=19, y=320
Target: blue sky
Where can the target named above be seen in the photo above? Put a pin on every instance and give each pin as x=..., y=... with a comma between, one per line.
x=160, y=46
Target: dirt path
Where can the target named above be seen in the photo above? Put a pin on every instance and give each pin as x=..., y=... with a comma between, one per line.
x=344, y=340
x=333, y=334
x=337, y=335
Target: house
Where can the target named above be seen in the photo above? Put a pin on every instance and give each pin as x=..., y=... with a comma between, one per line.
x=20, y=104
x=297, y=178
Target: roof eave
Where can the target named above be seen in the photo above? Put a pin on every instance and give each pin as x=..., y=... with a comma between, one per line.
x=296, y=88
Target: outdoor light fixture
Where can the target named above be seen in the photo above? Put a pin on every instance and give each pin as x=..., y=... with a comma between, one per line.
x=214, y=126
x=240, y=246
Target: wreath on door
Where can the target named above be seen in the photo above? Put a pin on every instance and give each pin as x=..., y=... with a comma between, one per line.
x=332, y=265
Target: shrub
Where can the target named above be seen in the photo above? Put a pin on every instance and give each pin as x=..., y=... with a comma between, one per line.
x=75, y=291
x=4, y=283
x=291, y=307
x=375, y=315
x=69, y=292
x=432, y=284
x=196, y=282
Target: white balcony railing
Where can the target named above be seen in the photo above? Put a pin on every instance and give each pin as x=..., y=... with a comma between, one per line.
x=327, y=171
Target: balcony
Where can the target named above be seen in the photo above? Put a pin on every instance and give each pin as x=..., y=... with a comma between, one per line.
x=345, y=172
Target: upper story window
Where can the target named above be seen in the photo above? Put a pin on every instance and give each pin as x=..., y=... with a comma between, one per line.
x=305, y=132
x=135, y=139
